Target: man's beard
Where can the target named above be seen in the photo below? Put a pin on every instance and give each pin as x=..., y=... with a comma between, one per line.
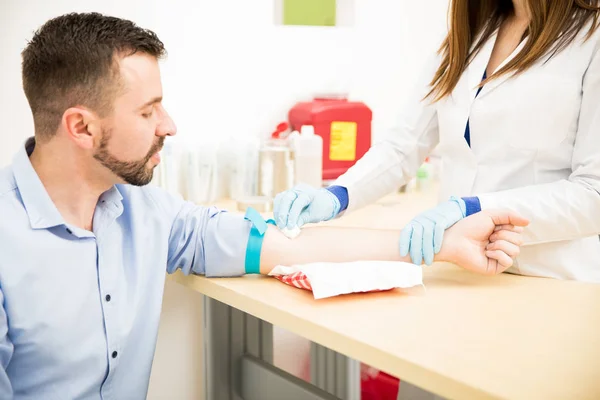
x=133, y=172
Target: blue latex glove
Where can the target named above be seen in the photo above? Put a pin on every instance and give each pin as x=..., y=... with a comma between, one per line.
x=304, y=204
x=423, y=236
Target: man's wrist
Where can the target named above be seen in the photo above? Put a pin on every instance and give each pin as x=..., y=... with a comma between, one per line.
x=448, y=251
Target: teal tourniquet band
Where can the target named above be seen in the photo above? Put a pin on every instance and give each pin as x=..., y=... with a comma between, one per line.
x=255, y=240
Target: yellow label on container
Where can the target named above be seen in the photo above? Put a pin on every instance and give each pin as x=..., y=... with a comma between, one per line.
x=343, y=141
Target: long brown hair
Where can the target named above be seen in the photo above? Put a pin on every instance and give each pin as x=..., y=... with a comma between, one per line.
x=554, y=24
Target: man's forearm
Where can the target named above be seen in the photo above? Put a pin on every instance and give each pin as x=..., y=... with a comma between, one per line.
x=468, y=243
x=329, y=244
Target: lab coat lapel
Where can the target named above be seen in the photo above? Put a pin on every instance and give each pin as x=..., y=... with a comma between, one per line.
x=478, y=65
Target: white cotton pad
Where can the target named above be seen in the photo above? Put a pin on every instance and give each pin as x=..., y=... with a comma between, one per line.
x=291, y=233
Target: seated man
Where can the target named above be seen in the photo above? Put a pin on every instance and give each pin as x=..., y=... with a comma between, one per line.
x=85, y=243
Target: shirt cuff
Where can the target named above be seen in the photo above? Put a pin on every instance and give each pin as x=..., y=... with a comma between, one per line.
x=473, y=205
x=342, y=195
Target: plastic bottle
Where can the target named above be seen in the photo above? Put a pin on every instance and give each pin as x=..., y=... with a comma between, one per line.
x=308, y=157
x=276, y=167
x=424, y=176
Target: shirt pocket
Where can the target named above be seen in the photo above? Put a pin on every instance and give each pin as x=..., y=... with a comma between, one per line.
x=544, y=110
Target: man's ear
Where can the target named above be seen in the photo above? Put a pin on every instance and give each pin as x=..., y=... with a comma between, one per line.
x=82, y=127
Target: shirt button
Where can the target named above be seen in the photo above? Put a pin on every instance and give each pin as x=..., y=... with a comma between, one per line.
x=107, y=297
x=114, y=354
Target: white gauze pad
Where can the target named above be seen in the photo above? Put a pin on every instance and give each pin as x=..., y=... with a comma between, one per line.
x=291, y=233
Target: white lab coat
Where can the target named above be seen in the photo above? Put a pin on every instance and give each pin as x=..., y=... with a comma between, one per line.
x=535, y=149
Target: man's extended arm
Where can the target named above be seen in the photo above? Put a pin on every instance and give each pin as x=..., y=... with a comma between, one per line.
x=467, y=244
x=208, y=241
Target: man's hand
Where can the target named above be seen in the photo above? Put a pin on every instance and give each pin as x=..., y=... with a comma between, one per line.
x=485, y=242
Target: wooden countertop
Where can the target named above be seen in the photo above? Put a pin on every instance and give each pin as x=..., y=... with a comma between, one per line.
x=464, y=336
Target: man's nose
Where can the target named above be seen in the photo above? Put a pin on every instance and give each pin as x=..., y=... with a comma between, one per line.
x=166, y=127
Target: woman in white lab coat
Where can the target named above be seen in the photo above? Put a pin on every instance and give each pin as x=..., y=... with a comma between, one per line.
x=513, y=103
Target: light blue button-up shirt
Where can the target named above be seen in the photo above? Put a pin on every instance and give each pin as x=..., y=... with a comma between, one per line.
x=80, y=310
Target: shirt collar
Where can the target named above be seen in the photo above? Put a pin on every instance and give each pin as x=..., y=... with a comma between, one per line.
x=40, y=208
x=112, y=195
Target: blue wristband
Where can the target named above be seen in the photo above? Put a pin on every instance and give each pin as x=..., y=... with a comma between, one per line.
x=473, y=205
x=255, y=240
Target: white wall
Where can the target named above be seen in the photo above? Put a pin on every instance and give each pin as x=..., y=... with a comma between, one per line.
x=231, y=71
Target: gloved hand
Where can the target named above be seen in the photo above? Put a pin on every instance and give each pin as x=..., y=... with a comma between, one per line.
x=423, y=236
x=304, y=204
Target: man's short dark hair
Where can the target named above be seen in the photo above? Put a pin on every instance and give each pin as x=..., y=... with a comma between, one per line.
x=72, y=61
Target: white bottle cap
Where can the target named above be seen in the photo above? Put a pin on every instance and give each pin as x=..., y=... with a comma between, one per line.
x=307, y=130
